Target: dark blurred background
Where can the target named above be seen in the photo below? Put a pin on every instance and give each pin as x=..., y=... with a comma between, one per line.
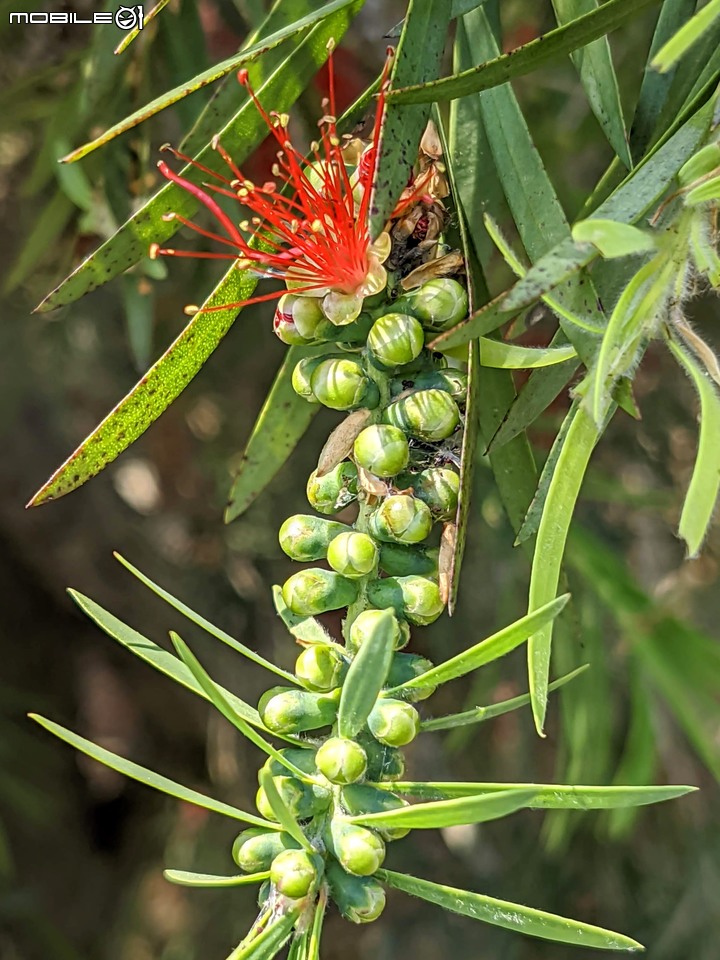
x=82, y=849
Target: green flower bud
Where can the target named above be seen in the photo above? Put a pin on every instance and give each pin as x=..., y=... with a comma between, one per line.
x=384, y=763
x=362, y=798
x=439, y=488
x=359, y=850
x=400, y=560
x=359, y=899
x=415, y=598
x=452, y=381
x=303, y=537
x=309, y=592
x=306, y=313
x=364, y=625
x=301, y=375
x=353, y=554
x=300, y=757
x=394, y=722
x=382, y=449
x=305, y=800
x=289, y=710
x=396, y=339
x=335, y=490
x=293, y=873
x=429, y=415
x=440, y=303
x=320, y=667
x=254, y=850
x=285, y=328
x=402, y=518
x=407, y=666
x=341, y=760
x=342, y=385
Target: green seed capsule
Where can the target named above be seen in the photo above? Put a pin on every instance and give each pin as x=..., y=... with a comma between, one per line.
x=341, y=760
x=313, y=591
x=365, y=624
x=335, y=490
x=439, y=488
x=394, y=722
x=382, y=449
x=254, y=850
x=402, y=518
x=440, y=303
x=342, y=385
x=454, y=382
x=305, y=800
x=407, y=666
x=396, y=339
x=362, y=798
x=429, y=415
x=415, y=598
x=300, y=757
x=359, y=850
x=303, y=537
x=353, y=554
x=320, y=667
x=401, y=560
x=293, y=873
x=359, y=899
x=288, y=710
x=384, y=763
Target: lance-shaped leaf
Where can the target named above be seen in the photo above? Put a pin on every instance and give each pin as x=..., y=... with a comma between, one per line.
x=702, y=493
x=305, y=629
x=186, y=878
x=155, y=780
x=513, y=916
x=686, y=37
x=511, y=356
x=267, y=942
x=559, y=507
x=528, y=58
x=418, y=58
x=216, y=695
x=366, y=675
x=282, y=812
x=210, y=628
x=487, y=650
x=450, y=813
x=544, y=796
x=282, y=422
x=480, y=714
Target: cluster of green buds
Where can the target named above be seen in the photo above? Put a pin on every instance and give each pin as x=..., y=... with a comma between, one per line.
x=400, y=480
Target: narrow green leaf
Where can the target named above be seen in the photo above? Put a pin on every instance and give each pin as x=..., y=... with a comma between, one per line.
x=272, y=937
x=210, y=628
x=216, y=695
x=527, y=58
x=279, y=79
x=487, y=650
x=613, y=239
x=597, y=75
x=480, y=714
x=418, y=59
x=280, y=425
x=469, y=808
x=545, y=796
x=154, y=393
x=317, y=925
x=513, y=916
x=702, y=492
x=686, y=37
x=306, y=629
x=511, y=356
x=550, y=547
x=150, y=779
x=366, y=676
x=707, y=192
x=135, y=32
x=209, y=76
x=185, y=878
x=281, y=810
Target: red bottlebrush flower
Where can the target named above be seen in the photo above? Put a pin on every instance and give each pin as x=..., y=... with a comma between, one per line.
x=310, y=224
